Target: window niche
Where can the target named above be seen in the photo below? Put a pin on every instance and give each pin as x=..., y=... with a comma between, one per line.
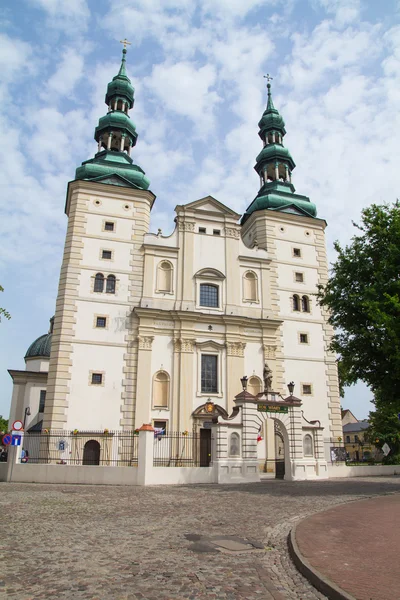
x=161, y=382
x=250, y=287
x=254, y=385
x=234, y=444
x=308, y=445
x=164, y=277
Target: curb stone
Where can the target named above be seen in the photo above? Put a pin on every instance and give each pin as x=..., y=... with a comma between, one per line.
x=319, y=581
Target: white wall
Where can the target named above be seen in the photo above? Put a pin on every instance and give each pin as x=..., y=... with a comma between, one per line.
x=95, y=407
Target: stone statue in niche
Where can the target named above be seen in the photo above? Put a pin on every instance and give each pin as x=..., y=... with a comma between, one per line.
x=234, y=445
x=267, y=376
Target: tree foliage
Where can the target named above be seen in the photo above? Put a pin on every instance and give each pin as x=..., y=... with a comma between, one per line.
x=3, y=312
x=363, y=300
x=3, y=424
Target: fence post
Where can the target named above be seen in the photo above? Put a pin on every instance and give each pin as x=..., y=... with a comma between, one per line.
x=145, y=454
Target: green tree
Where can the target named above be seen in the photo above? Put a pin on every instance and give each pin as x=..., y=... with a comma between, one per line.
x=3, y=424
x=362, y=297
x=385, y=428
x=3, y=312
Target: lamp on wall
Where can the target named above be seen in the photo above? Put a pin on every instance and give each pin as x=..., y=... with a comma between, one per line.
x=26, y=414
x=291, y=388
x=244, y=382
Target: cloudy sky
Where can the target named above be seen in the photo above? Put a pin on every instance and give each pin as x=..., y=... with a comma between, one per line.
x=197, y=66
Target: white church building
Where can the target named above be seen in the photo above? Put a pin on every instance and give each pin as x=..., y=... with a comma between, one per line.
x=160, y=329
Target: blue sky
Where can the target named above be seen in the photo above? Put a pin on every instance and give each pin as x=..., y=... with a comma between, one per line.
x=197, y=66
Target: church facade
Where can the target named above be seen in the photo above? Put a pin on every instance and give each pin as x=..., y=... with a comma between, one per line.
x=159, y=329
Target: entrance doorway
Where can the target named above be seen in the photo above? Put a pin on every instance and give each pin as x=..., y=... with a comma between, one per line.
x=91, y=453
x=279, y=455
x=205, y=447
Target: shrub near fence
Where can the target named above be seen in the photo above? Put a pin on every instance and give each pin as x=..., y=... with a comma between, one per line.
x=176, y=449
x=107, y=448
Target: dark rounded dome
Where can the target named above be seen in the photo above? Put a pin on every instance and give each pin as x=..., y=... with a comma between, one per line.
x=40, y=348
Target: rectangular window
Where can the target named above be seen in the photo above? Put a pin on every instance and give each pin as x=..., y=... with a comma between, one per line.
x=299, y=277
x=209, y=295
x=303, y=338
x=160, y=426
x=216, y=232
x=101, y=322
x=209, y=374
x=202, y=230
x=306, y=389
x=42, y=400
x=97, y=378
x=109, y=226
x=106, y=254
x=297, y=252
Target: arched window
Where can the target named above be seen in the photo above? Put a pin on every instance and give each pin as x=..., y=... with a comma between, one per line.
x=164, y=276
x=234, y=444
x=347, y=439
x=254, y=385
x=98, y=282
x=110, y=287
x=161, y=389
x=308, y=445
x=296, y=302
x=250, y=287
x=209, y=295
x=305, y=304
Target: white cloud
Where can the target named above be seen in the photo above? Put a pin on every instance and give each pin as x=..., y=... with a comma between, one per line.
x=68, y=15
x=68, y=73
x=315, y=58
x=15, y=64
x=186, y=90
x=344, y=11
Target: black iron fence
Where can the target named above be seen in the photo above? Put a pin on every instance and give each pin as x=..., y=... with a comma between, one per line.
x=186, y=449
x=107, y=448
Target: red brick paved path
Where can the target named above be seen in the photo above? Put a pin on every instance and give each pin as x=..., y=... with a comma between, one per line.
x=357, y=546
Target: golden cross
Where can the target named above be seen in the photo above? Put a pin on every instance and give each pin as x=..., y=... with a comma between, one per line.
x=268, y=77
x=125, y=43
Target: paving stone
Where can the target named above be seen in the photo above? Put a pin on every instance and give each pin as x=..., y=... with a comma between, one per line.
x=130, y=543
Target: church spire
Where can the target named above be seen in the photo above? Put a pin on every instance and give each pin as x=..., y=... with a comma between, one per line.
x=275, y=165
x=116, y=134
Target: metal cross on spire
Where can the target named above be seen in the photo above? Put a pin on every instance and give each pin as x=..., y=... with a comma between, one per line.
x=125, y=43
x=268, y=77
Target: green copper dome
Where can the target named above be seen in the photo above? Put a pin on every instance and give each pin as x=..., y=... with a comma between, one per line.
x=280, y=197
x=275, y=152
x=40, y=348
x=108, y=163
x=114, y=121
x=274, y=166
x=115, y=135
x=120, y=87
x=271, y=119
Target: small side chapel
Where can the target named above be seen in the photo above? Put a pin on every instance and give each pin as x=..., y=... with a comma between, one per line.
x=160, y=329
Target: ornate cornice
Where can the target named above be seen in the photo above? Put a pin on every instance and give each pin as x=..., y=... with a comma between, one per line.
x=269, y=351
x=185, y=225
x=235, y=348
x=145, y=342
x=184, y=345
x=232, y=232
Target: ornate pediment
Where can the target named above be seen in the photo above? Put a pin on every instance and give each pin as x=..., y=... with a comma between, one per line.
x=211, y=205
x=210, y=274
x=209, y=410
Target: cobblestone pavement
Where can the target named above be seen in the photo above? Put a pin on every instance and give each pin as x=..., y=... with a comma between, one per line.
x=120, y=543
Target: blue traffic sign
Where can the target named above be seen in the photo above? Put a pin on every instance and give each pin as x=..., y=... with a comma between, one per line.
x=16, y=440
x=6, y=439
